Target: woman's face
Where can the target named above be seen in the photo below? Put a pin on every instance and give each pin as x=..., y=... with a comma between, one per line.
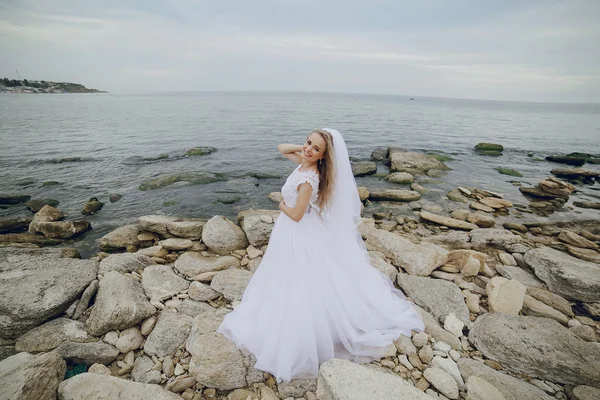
x=314, y=148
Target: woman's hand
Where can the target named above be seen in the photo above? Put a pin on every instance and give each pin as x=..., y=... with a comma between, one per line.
x=281, y=204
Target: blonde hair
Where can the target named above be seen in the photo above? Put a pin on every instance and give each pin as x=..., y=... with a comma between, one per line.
x=326, y=172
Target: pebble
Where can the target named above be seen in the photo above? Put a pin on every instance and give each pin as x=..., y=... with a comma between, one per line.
x=387, y=363
x=179, y=370
x=420, y=339
x=442, y=381
x=402, y=359
x=167, y=367
x=453, y=325
x=426, y=354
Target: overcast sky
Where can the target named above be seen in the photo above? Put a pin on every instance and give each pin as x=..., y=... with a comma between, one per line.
x=527, y=50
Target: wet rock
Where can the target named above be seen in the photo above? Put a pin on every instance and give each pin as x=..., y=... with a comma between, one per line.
x=364, y=168
x=556, y=187
x=495, y=203
x=566, y=160
x=489, y=146
x=38, y=284
x=120, y=238
x=587, y=204
x=394, y=195
x=49, y=222
x=192, y=178
x=26, y=376
x=575, y=173
x=36, y=205
x=92, y=206
x=400, y=177
x=14, y=198
x=413, y=163
x=446, y=221
x=200, y=151
x=115, y=197
x=19, y=224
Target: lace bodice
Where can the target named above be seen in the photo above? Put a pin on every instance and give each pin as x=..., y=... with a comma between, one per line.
x=290, y=188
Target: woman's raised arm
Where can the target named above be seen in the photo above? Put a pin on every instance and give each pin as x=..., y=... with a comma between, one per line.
x=291, y=152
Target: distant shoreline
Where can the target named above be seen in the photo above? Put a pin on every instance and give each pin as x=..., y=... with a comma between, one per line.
x=24, y=86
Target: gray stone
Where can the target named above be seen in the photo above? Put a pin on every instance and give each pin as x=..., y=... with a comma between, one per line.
x=442, y=381
x=480, y=389
x=510, y=387
x=451, y=240
x=536, y=308
x=553, y=300
x=296, y=387
x=447, y=221
x=171, y=330
x=84, y=301
x=231, y=283
x=156, y=223
x=160, y=282
x=193, y=308
x=88, y=353
x=416, y=259
x=519, y=274
x=400, y=178
x=342, y=379
x=120, y=238
x=142, y=371
x=257, y=224
x=129, y=339
x=201, y=292
x=499, y=238
x=100, y=387
x=191, y=263
x=120, y=303
x=565, y=275
x=176, y=244
x=222, y=236
x=188, y=228
x=586, y=393
x=25, y=376
x=394, y=195
x=439, y=297
x=539, y=347
x=384, y=267
x=52, y=334
x=38, y=284
x=414, y=163
x=363, y=168
x=124, y=262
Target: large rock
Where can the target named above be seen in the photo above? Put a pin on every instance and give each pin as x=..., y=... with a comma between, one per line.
x=553, y=300
x=160, y=282
x=231, y=283
x=222, y=236
x=171, y=330
x=52, y=334
x=510, y=387
x=14, y=198
x=480, y=389
x=416, y=259
x=257, y=224
x=124, y=262
x=539, y=347
x=88, y=353
x=394, y=195
x=536, y=308
x=414, y=163
x=437, y=296
x=38, y=284
x=575, y=173
x=364, y=168
x=120, y=238
x=100, y=387
x=565, y=275
x=156, y=223
x=49, y=222
x=192, y=263
x=447, y=221
x=500, y=238
x=345, y=380
x=17, y=224
x=120, y=303
x=188, y=228
x=25, y=376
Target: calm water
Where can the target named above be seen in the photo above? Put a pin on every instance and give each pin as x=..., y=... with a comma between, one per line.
x=113, y=134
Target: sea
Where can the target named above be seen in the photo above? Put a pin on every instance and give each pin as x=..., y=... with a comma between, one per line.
x=120, y=141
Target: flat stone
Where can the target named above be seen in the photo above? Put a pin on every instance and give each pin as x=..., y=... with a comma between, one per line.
x=586, y=393
x=499, y=238
x=176, y=244
x=342, y=379
x=124, y=262
x=510, y=387
x=480, y=389
x=26, y=376
x=505, y=296
x=439, y=297
x=481, y=207
x=188, y=228
x=394, y=195
x=99, y=387
x=156, y=223
x=38, y=284
x=553, y=300
x=160, y=282
x=584, y=254
x=400, y=177
x=539, y=347
x=88, y=353
x=170, y=332
x=576, y=240
x=120, y=238
x=202, y=292
x=495, y=203
x=516, y=273
x=191, y=263
x=52, y=334
x=447, y=221
x=231, y=283
x=482, y=221
x=363, y=168
x=442, y=381
x=413, y=162
x=536, y=308
x=565, y=275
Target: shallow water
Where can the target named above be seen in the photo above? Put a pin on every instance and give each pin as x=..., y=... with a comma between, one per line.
x=115, y=135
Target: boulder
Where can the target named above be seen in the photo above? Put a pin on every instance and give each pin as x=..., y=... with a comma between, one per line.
x=14, y=198
x=257, y=225
x=557, y=188
x=416, y=259
x=400, y=177
x=25, y=376
x=566, y=160
x=92, y=206
x=120, y=303
x=99, y=387
x=192, y=263
x=586, y=393
x=222, y=236
x=38, y=284
x=188, y=228
x=442, y=381
x=539, y=347
x=49, y=222
x=489, y=146
x=120, y=238
x=342, y=379
x=565, y=275
x=437, y=296
x=190, y=177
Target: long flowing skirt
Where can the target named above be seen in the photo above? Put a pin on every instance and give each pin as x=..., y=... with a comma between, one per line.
x=315, y=297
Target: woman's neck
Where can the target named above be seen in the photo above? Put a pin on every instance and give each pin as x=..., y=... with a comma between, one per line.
x=306, y=165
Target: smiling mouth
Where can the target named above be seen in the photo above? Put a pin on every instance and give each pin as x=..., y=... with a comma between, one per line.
x=306, y=154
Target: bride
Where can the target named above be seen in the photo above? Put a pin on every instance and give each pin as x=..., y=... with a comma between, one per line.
x=315, y=295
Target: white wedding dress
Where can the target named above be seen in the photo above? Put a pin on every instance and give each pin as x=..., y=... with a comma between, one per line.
x=314, y=297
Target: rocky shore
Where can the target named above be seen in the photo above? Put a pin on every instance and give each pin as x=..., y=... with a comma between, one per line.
x=511, y=307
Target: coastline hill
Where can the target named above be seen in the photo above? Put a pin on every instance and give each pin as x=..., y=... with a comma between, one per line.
x=28, y=86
